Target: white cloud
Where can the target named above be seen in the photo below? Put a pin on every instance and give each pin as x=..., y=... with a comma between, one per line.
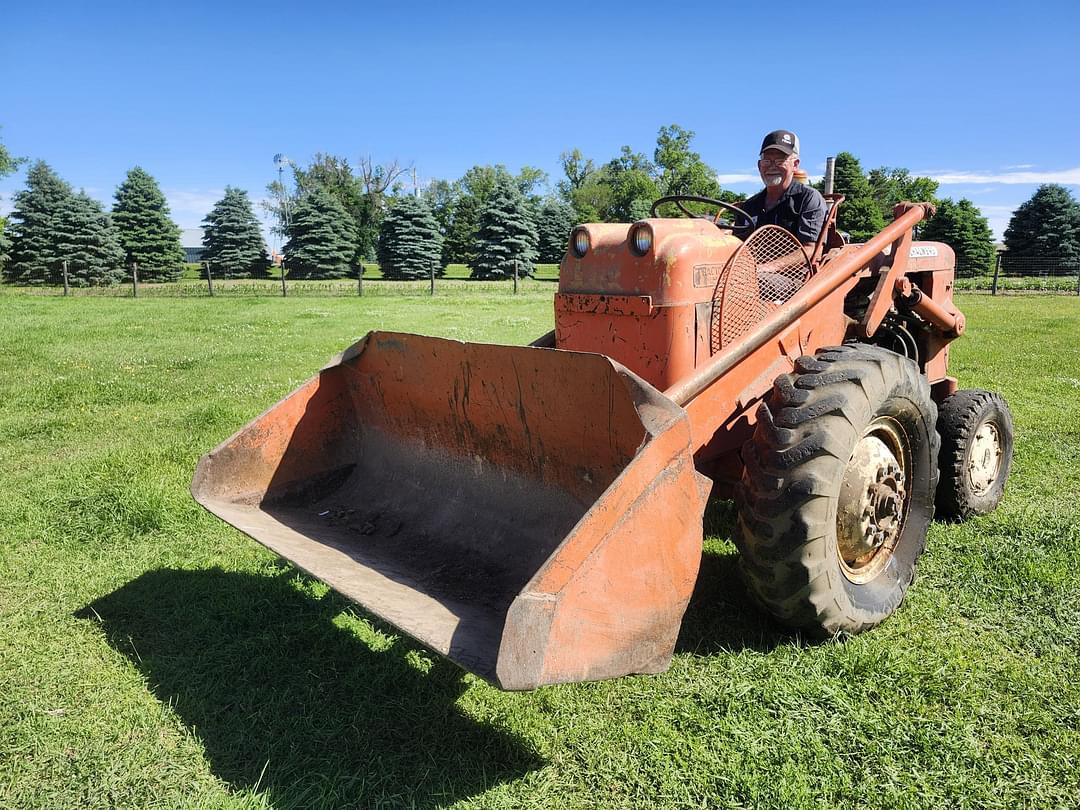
x=997, y=217
x=736, y=179
x=1067, y=176
x=745, y=179
x=189, y=207
x=1022, y=166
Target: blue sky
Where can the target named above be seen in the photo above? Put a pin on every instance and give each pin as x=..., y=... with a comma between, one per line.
x=985, y=96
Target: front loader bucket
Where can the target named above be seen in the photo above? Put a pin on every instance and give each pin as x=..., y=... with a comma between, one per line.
x=532, y=514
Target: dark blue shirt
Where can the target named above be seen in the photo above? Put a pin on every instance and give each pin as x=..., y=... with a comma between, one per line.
x=801, y=210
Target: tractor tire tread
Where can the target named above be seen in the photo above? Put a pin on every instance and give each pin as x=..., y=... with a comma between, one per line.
x=806, y=431
x=959, y=416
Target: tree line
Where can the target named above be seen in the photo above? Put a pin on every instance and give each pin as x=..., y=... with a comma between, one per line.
x=56, y=233
x=1046, y=226
x=335, y=217
x=489, y=219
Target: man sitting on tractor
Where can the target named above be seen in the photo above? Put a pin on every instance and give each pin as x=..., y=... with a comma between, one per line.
x=793, y=206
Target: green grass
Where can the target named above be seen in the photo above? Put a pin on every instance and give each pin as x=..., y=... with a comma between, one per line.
x=150, y=656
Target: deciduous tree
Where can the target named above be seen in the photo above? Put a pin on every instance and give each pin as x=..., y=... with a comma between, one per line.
x=888, y=186
x=633, y=188
x=579, y=172
x=232, y=238
x=147, y=233
x=681, y=170
x=624, y=188
x=8, y=164
x=361, y=192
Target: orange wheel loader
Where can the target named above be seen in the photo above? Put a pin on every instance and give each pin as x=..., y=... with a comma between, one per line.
x=534, y=513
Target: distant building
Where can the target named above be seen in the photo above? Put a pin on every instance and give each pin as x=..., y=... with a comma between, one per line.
x=191, y=242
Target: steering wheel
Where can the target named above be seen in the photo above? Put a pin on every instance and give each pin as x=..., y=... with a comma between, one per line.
x=679, y=199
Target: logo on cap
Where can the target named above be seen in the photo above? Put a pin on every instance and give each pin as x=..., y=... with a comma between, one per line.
x=783, y=140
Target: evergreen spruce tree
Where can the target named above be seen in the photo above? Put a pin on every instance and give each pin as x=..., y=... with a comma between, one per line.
x=849, y=178
x=232, y=239
x=33, y=227
x=1046, y=226
x=463, y=223
x=410, y=245
x=859, y=215
x=88, y=241
x=322, y=238
x=148, y=235
x=554, y=224
x=961, y=226
x=506, y=235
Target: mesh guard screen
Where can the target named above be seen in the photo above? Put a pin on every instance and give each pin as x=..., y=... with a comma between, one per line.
x=765, y=272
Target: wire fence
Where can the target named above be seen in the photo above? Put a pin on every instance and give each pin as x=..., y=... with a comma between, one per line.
x=455, y=283
x=1008, y=275
x=1014, y=275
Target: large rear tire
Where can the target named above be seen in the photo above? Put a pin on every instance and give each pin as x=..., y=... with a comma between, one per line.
x=838, y=489
x=976, y=453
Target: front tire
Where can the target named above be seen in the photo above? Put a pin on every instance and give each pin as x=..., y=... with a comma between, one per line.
x=838, y=489
x=976, y=453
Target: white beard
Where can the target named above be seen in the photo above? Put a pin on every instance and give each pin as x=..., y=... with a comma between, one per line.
x=774, y=180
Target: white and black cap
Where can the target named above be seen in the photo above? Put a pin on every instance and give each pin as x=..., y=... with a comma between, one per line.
x=782, y=139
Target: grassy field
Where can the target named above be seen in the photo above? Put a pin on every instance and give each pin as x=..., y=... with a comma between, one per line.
x=150, y=656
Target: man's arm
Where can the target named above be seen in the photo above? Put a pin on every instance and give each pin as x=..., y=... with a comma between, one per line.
x=812, y=217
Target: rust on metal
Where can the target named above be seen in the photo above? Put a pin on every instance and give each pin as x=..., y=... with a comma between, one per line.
x=534, y=513
x=499, y=504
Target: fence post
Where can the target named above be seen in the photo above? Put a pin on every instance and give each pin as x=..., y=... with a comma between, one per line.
x=515, y=276
x=360, y=280
x=432, y=279
x=134, y=279
x=66, y=290
x=283, y=292
x=209, y=279
x=1078, y=279
x=997, y=269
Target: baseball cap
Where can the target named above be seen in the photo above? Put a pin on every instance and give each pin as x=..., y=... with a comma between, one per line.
x=787, y=142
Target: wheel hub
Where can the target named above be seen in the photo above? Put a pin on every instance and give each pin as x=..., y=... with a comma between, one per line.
x=873, y=502
x=984, y=459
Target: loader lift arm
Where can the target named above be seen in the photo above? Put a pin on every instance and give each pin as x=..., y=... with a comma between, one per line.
x=534, y=513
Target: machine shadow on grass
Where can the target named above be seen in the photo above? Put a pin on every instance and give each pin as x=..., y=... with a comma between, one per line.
x=722, y=616
x=288, y=703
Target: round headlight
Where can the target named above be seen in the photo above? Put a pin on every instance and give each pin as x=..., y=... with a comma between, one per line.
x=579, y=242
x=641, y=239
